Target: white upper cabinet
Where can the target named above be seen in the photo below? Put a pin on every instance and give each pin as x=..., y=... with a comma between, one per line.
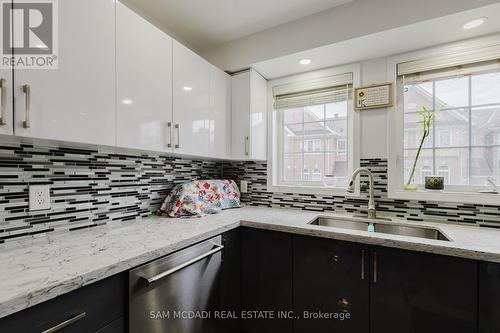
x=6, y=118
x=249, y=116
x=191, y=102
x=120, y=81
x=75, y=102
x=220, y=114
x=144, y=83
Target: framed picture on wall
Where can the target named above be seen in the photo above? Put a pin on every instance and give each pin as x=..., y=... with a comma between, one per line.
x=373, y=97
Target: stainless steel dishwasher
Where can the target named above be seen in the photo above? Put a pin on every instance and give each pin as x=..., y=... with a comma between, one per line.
x=176, y=293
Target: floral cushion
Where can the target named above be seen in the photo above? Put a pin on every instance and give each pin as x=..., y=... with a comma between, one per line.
x=201, y=197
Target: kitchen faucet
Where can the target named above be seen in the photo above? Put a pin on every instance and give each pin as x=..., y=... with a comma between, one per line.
x=372, y=213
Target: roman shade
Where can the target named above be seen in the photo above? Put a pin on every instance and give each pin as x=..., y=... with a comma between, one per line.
x=452, y=59
x=323, y=90
x=454, y=71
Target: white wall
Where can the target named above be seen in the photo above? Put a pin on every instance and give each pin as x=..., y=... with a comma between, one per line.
x=349, y=21
x=373, y=123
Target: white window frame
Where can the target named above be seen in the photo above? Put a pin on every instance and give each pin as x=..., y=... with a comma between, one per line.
x=353, y=139
x=395, y=138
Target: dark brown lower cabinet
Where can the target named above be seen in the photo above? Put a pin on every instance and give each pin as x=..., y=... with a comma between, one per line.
x=330, y=286
x=489, y=297
x=266, y=280
x=414, y=292
x=88, y=309
x=117, y=326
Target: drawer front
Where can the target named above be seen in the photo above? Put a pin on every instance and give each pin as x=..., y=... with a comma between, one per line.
x=84, y=310
x=118, y=326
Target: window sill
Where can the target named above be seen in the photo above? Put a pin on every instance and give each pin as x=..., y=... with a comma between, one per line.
x=447, y=196
x=336, y=191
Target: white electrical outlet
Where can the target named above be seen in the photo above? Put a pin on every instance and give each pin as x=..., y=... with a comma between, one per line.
x=244, y=186
x=39, y=197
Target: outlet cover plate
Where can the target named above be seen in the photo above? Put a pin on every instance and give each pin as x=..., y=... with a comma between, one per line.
x=244, y=186
x=39, y=197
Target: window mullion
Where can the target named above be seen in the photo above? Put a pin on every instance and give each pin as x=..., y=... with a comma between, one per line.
x=469, y=161
x=303, y=166
x=433, y=129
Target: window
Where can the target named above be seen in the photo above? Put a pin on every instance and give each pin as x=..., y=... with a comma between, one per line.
x=444, y=171
x=467, y=107
x=341, y=147
x=317, y=129
x=312, y=146
x=460, y=83
x=444, y=138
x=317, y=174
x=425, y=172
x=311, y=128
x=306, y=174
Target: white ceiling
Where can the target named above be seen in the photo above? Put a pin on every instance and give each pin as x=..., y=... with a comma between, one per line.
x=404, y=39
x=206, y=23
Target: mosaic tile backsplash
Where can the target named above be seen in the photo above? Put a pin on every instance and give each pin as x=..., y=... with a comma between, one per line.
x=88, y=187
x=258, y=195
x=91, y=187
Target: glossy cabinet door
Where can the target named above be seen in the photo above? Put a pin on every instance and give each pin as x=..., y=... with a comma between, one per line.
x=330, y=276
x=6, y=117
x=249, y=116
x=191, y=102
x=75, y=102
x=258, y=117
x=240, y=142
x=489, y=297
x=266, y=279
x=144, y=83
x=415, y=292
x=219, y=114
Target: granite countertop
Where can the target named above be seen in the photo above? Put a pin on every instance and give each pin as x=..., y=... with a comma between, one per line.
x=37, y=270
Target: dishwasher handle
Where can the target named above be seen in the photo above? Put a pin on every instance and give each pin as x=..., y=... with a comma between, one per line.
x=171, y=271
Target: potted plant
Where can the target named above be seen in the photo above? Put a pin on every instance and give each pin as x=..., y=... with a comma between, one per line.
x=427, y=119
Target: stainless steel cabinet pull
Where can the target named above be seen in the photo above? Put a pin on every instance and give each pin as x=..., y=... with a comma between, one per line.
x=27, y=105
x=247, y=141
x=362, y=264
x=375, y=267
x=169, y=125
x=178, y=128
x=65, y=323
x=155, y=278
x=3, y=84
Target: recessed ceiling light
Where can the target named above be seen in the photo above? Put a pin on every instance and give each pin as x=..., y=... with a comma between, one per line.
x=127, y=101
x=186, y=88
x=474, y=23
x=305, y=61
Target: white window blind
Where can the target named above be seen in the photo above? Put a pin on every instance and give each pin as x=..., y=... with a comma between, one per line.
x=451, y=58
x=318, y=91
x=454, y=71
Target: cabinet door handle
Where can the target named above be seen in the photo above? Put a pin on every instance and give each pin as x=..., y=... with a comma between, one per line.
x=375, y=267
x=178, y=144
x=3, y=84
x=169, y=135
x=171, y=271
x=362, y=264
x=27, y=105
x=247, y=141
x=67, y=322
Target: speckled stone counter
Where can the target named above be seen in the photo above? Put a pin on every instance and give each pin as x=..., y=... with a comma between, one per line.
x=33, y=271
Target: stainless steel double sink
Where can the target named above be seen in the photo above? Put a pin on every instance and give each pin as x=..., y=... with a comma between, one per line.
x=381, y=227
